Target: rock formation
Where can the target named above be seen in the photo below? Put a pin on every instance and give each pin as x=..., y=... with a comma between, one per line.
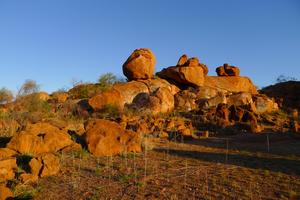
x=139, y=65
x=228, y=70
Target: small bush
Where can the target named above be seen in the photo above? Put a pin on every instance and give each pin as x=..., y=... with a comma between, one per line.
x=107, y=79
x=6, y=96
x=29, y=87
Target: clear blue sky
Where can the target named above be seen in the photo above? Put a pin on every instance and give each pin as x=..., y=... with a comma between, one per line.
x=55, y=41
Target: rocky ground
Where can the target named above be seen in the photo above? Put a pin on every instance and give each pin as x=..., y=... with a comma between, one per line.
x=236, y=167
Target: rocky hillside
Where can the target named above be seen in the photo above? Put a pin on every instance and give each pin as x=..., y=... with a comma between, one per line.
x=179, y=102
x=287, y=94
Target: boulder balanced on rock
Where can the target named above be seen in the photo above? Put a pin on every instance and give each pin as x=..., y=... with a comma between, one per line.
x=227, y=70
x=139, y=65
x=187, y=72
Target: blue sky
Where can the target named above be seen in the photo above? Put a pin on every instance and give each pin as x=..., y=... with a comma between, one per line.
x=56, y=41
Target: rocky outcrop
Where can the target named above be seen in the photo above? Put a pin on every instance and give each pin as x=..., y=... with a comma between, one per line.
x=40, y=138
x=187, y=72
x=286, y=93
x=105, y=138
x=227, y=70
x=230, y=84
x=139, y=65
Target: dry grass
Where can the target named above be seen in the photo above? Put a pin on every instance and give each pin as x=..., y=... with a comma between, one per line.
x=205, y=169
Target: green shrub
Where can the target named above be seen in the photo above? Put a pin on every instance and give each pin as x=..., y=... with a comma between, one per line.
x=6, y=96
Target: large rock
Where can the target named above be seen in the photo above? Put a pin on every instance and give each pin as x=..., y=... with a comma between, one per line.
x=106, y=138
x=154, y=84
x=110, y=97
x=139, y=65
x=7, y=153
x=45, y=165
x=130, y=90
x=263, y=104
x=40, y=138
x=191, y=62
x=239, y=99
x=230, y=84
x=160, y=101
x=183, y=75
x=227, y=70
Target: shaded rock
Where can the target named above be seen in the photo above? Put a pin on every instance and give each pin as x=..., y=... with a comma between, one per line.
x=230, y=84
x=185, y=100
x=59, y=97
x=5, y=193
x=236, y=113
x=160, y=101
x=39, y=138
x=139, y=65
x=182, y=60
x=130, y=90
x=213, y=102
x=240, y=99
x=105, y=138
x=222, y=115
x=227, y=70
x=107, y=98
x=263, y=104
x=154, y=84
x=286, y=92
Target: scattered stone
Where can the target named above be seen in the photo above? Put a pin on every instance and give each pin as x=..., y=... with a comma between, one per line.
x=139, y=65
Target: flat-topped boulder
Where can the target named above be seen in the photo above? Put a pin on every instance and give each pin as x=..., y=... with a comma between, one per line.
x=230, y=83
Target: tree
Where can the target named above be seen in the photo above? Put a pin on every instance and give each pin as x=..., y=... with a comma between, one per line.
x=6, y=96
x=107, y=79
x=283, y=78
x=28, y=87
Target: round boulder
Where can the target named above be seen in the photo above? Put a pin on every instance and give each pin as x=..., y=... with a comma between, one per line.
x=139, y=65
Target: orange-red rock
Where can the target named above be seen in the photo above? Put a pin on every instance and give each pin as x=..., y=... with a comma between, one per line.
x=107, y=98
x=183, y=75
x=105, y=138
x=140, y=65
x=40, y=138
x=7, y=167
x=230, y=83
x=5, y=193
x=227, y=70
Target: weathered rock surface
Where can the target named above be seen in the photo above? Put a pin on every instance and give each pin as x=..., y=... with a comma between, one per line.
x=130, y=90
x=231, y=84
x=183, y=75
x=154, y=84
x=263, y=104
x=160, y=101
x=139, y=65
x=40, y=138
x=227, y=70
x=105, y=138
x=107, y=98
x=59, y=97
